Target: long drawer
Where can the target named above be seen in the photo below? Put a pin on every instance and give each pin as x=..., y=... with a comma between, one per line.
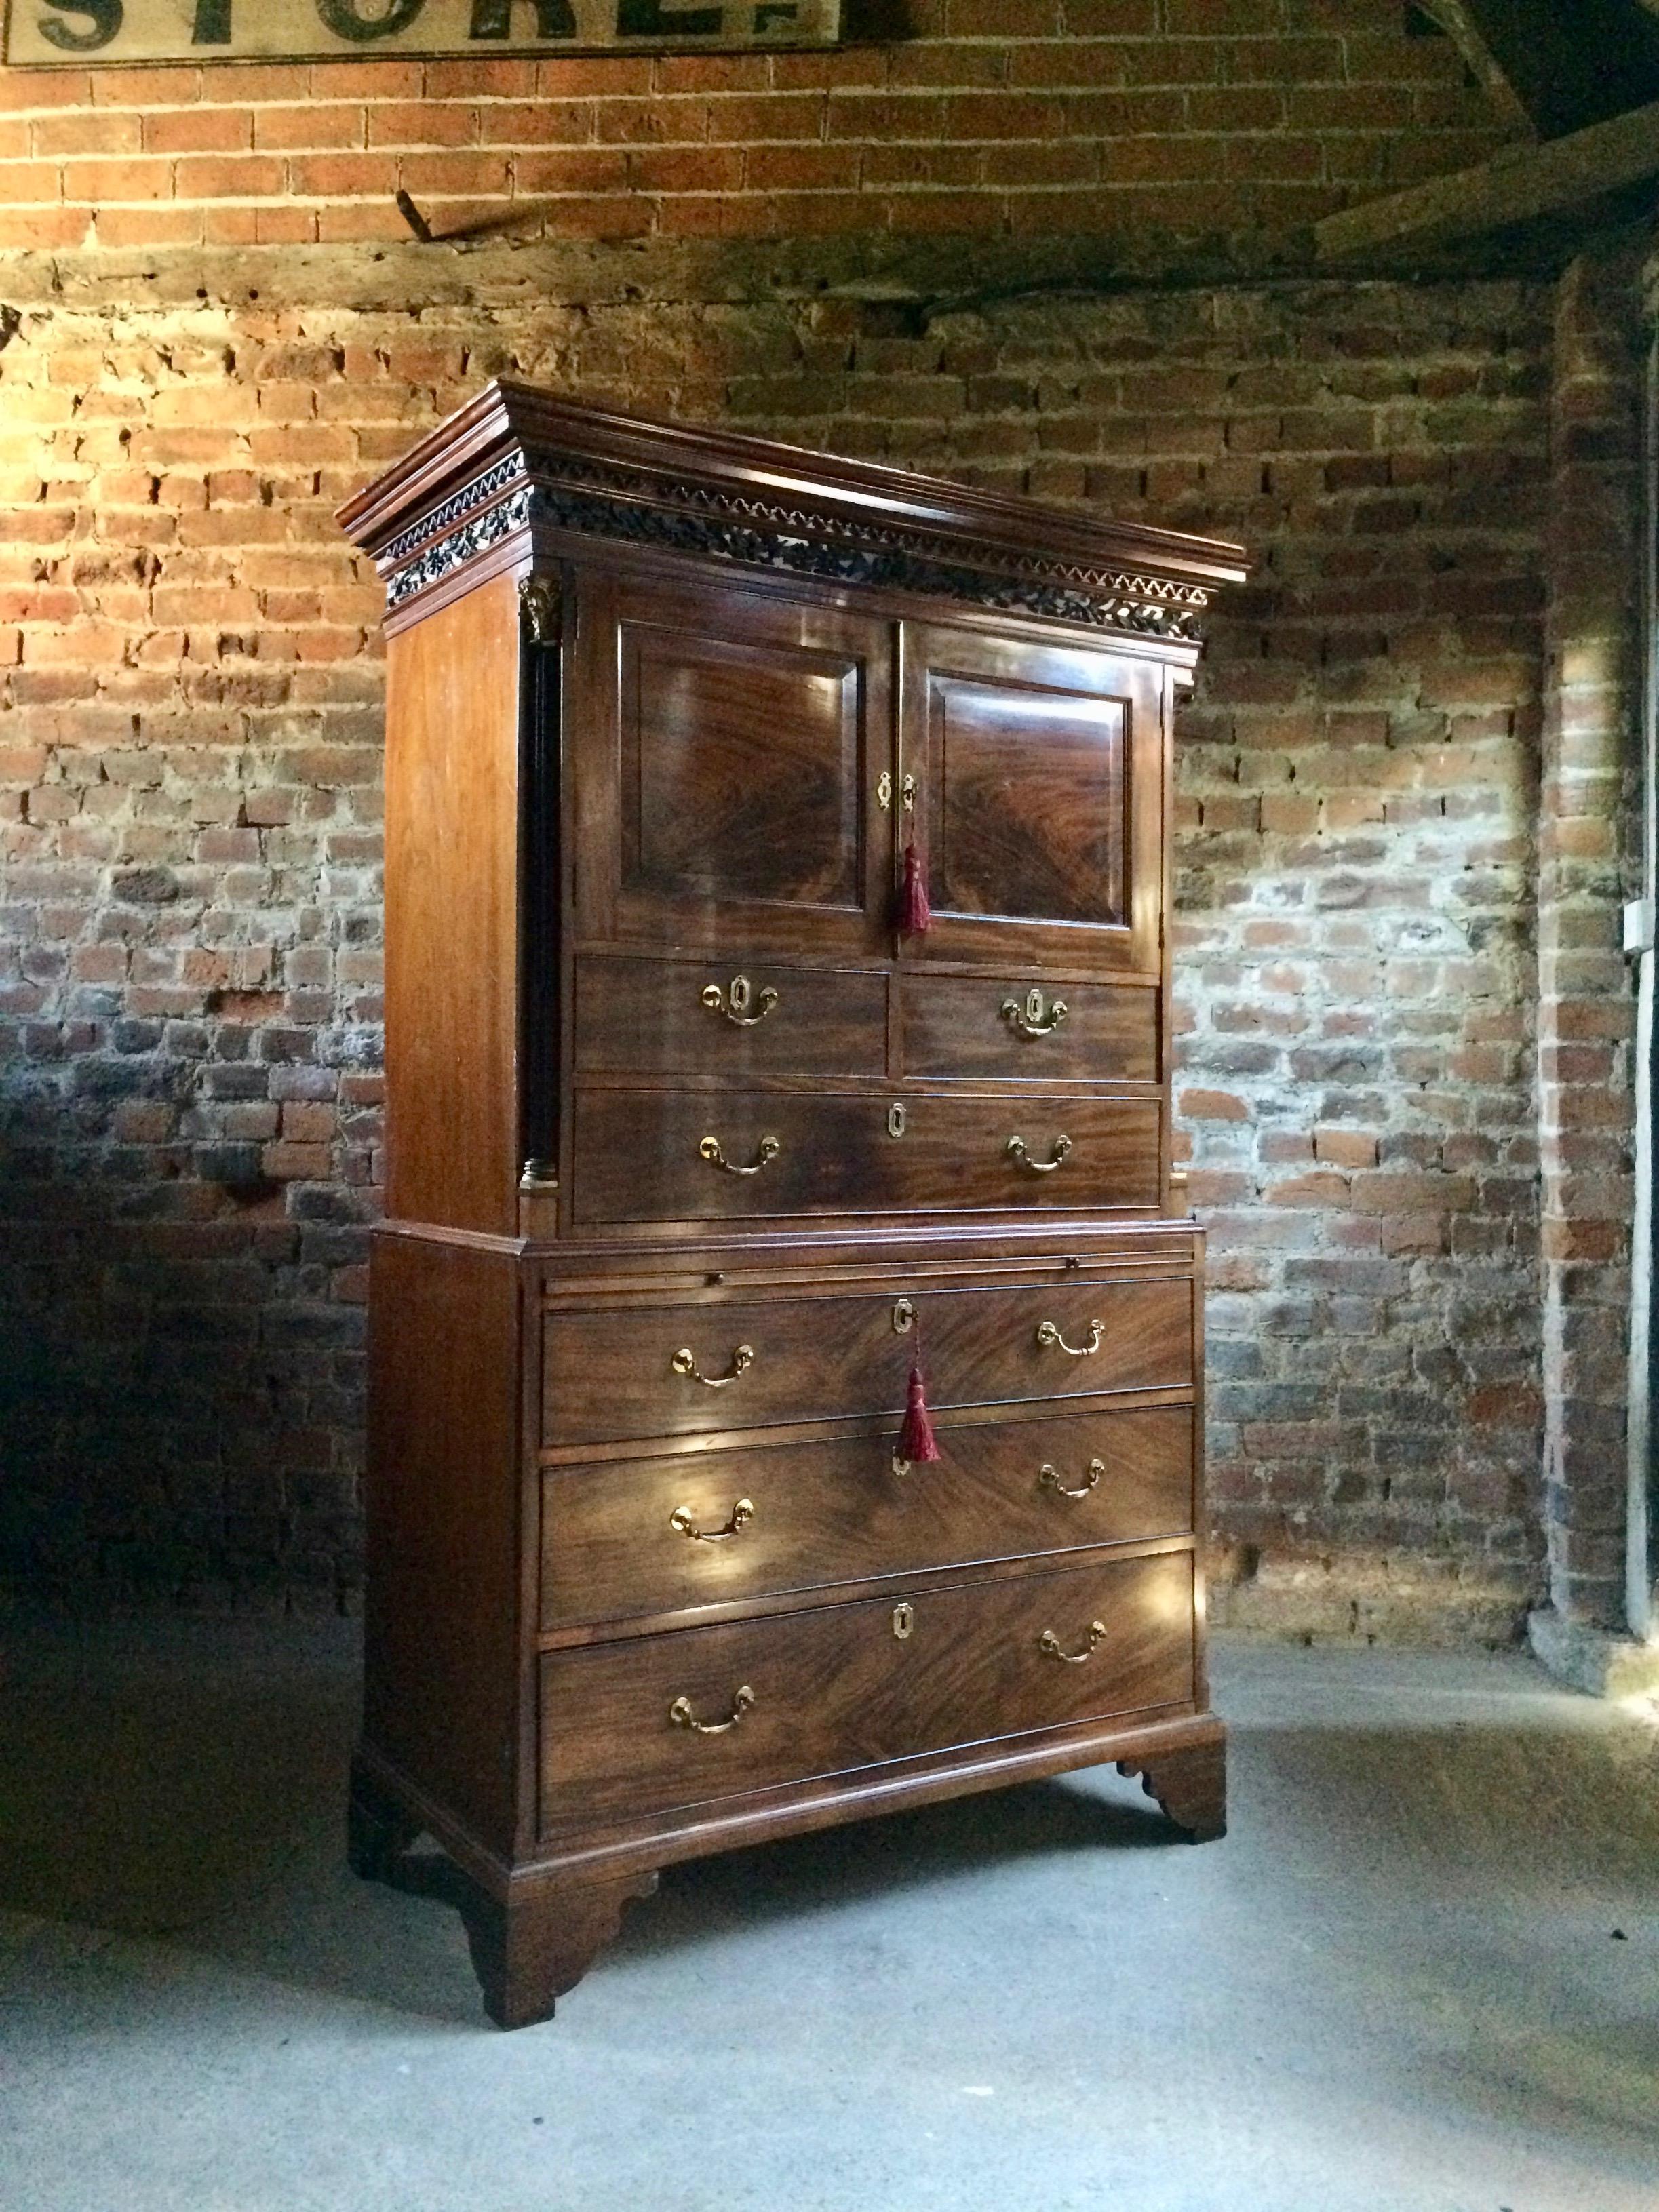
x=975, y=1026
x=669, y=1370
x=669, y=1155
x=657, y=1535
x=636, y=1016
x=661, y=1722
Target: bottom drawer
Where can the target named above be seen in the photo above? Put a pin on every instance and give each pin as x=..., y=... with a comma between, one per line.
x=674, y=1720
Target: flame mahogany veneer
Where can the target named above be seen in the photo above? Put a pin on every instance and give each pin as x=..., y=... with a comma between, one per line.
x=691, y=1156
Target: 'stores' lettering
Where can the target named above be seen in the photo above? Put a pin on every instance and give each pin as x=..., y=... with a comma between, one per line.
x=107, y=16
x=347, y=20
x=493, y=19
x=649, y=19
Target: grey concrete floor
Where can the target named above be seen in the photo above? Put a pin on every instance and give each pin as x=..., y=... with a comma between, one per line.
x=1395, y=1987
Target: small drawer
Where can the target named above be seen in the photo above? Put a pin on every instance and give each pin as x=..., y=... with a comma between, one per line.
x=661, y=1535
x=672, y=1370
x=675, y=1156
x=661, y=1722
x=971, y=1025
x=707, y=1017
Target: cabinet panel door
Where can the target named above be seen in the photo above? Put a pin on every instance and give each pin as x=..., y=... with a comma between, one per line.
x=728, y=747
x=1039, y=779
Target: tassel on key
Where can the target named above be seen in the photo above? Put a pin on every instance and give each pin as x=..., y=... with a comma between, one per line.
x=915, y=916
x=916, y=1439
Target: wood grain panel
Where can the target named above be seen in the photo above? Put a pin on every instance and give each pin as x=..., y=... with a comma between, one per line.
x=639, y=1155
x=1041, y=805
x=442, y=1501
x=828, y=1513
x=959, y=1025
x=611, y=1372
x=728, y=745
x=835, y=1689
x=452, y=920
x=648, y=1017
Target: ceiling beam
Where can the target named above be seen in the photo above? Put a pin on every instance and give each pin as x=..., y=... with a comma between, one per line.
x=1517, y=185
x=1561, y=67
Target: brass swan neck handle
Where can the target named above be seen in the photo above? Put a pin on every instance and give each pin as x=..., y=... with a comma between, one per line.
x=685, y=1361
x=681, y=1714
x=742, y=1513
x=1018, y=1152
x=765, y=1153
x=735, y=1000
x=1051, y=1647
x=1033, y=1016
x=1048, y=1334
x=1048, y=1478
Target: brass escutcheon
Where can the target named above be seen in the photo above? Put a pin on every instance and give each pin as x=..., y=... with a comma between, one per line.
x=1050, y=1644
x=1017, y=1152
x=885, y=790
x=735, y=1000
x=1048, y=1334
x=908, y=794
x=904, y=1620
x=685, y=1361
x=1048, y=1478
x=904, y=1316
x=680, y=1712
x=897, y=1120
x=742, y=1513
x=1031, y=1017
x=765, y=1153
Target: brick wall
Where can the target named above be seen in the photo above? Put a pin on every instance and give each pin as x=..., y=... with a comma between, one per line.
x=1587, y=864
x=189, y=756
x=1132, y=117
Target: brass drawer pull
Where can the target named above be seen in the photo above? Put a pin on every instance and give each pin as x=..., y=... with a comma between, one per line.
x=1029, y=1017
x=685, y=1361
x=1049, y=1333
x=682, y=1716
x=1017, y=1152
x=742, y=1513
x=765, y=1153
x=1048, y=1478
x=735, y=1000
x=1050, y=1644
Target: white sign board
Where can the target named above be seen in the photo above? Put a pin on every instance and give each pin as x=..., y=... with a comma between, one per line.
x=88, y=33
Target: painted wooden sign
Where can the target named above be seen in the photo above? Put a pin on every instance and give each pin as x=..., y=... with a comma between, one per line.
x=120, y=31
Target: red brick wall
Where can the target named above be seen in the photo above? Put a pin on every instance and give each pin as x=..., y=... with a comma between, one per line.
x=188, y=785
x=218, y=340
x=1587, y=864
x=986, y=116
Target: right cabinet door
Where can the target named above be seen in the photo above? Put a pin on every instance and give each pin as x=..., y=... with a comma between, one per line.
x=1036, y=773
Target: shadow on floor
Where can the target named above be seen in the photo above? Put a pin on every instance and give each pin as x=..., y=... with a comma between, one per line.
x=185, y=1783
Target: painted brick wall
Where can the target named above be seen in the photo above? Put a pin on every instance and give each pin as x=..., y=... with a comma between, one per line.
x=189, y=753
x=979, y=117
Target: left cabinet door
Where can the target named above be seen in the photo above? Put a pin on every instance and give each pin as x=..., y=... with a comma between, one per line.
x=733, y=754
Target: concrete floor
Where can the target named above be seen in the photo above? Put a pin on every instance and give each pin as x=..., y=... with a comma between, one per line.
x=1395, y=1987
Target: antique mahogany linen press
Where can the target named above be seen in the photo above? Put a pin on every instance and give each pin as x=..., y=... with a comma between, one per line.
x=786, y=1327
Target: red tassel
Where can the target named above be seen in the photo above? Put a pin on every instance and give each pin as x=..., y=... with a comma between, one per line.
x=915, y=916
x=916, y=1438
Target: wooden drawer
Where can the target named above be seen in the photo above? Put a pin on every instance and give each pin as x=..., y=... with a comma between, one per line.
x=675, y=1156
x=640, y=1370
x=643, y=1536
x=708, y=1017
x=1058, y=1033
x=839, y=1687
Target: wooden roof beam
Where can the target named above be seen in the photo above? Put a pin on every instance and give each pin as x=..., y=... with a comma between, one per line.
x=1559, y=67
x=1519, y=186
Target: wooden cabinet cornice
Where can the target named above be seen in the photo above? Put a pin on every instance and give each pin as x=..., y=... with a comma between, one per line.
x=777, y=1015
